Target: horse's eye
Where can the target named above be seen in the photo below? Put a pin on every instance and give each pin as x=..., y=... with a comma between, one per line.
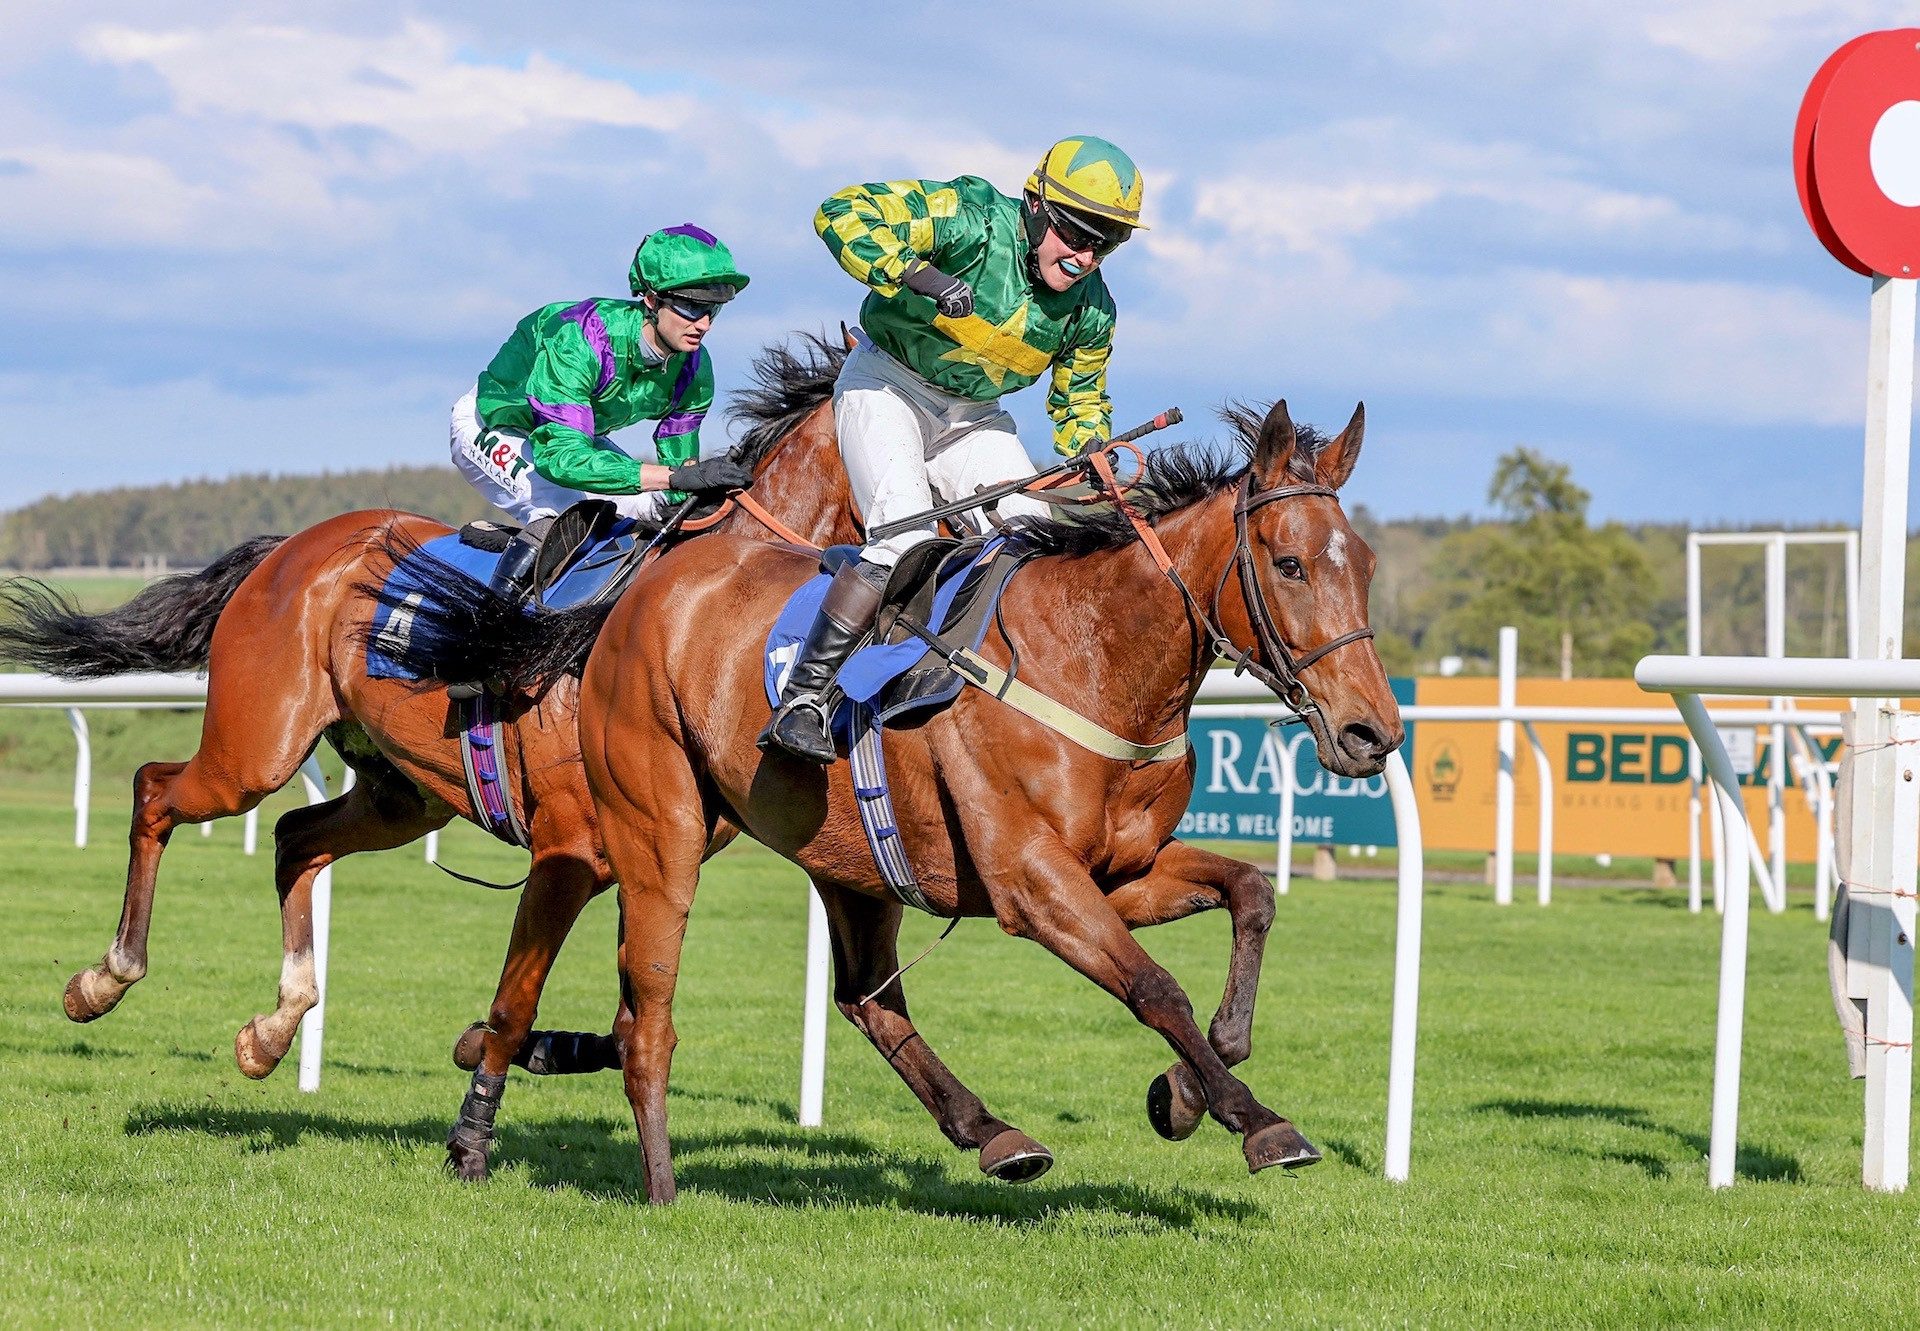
x=1291, y=568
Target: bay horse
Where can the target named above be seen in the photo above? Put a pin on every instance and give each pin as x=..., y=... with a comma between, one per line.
x=1003, y=817
x=280, y=625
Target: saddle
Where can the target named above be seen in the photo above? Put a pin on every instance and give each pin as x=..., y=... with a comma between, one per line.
x=941, y=589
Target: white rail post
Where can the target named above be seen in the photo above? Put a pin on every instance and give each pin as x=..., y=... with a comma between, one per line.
x=313, y=1025
x=1503, y=787
x=1776, y=578
x=1880, y=954
x=250, y=831
x=1733, y=961
x=1694, y=772
x=1543, y=769
x=1889, y=913
x=433, y=847
x=1406, y=969
x=1716, y=817
x=1283, y=834
x=813, y=1022
x=82, y=775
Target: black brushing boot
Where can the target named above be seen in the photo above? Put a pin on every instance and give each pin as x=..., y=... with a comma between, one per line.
x=800, y=727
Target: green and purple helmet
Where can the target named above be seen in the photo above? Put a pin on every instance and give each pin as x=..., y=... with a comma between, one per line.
x=689, y=260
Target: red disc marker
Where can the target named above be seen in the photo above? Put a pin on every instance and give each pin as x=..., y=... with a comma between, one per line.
x=1803, y=155
x=1866, y=153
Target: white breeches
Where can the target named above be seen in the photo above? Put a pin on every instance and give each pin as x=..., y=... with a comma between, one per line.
x=908, y=446
x=499, y=464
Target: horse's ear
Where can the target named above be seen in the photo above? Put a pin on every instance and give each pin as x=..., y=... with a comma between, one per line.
x=847, y=337
x=1273, y=450
x=1335, y=461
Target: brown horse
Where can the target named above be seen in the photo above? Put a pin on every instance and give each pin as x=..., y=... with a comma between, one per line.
x=1002, y=816
x=280, y=626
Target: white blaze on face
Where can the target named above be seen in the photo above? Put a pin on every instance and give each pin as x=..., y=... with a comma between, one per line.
x=1336, y=551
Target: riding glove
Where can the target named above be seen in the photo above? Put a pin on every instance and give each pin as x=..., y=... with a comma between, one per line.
x=950, y=295
x=721, y=473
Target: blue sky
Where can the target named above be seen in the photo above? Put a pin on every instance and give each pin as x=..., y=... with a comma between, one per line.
x=284, y=237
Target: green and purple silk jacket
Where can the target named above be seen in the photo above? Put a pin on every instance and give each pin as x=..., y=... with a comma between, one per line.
x=1019, y=329
x=573, y=372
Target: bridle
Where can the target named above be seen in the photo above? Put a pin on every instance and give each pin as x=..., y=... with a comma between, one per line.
x=1281, y=674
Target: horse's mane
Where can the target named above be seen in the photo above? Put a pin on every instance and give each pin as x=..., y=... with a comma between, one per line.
x=790, y=379
x=1175, y=477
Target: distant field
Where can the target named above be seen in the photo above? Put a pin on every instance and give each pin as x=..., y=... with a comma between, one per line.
x=1558, y=1176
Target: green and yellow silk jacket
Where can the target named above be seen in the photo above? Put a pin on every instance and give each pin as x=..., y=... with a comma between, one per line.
x=1018, y=330
x=571, y=372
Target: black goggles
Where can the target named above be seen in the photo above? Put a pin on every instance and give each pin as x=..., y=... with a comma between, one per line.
x=690, y=309
x=1083, y=233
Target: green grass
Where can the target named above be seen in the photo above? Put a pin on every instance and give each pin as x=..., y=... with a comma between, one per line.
x=1558, y=1172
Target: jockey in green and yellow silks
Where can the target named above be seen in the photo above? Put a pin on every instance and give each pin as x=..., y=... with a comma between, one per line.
x=533, y=433
x=972, y=295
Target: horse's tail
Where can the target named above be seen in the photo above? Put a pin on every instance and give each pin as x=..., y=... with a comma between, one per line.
x=459, y=630
x=168, y=626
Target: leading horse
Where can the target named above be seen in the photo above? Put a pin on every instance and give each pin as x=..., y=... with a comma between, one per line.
x=1003, y=817
x=280, y=626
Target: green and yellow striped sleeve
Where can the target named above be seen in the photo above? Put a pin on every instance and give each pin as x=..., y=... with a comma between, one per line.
x=874, y=231
x=1077, y=396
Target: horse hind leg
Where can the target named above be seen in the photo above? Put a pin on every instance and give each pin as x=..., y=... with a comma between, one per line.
x=165, y=796
x=865, y=934
x=374, y=815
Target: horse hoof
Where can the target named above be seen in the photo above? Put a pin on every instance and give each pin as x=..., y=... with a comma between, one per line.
x=1175, y=1103
x=1014, y=1157
x=1279, y=1144
x=81, y=1006
x=468, y=1164
x=251, y=1054
x=467, y=1049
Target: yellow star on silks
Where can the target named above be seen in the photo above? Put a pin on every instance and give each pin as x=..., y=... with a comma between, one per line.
x=994, y=349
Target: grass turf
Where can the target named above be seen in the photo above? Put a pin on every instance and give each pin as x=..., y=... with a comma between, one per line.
x=1558, y=1176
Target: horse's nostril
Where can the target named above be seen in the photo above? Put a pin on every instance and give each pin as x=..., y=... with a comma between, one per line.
x=1362, y=740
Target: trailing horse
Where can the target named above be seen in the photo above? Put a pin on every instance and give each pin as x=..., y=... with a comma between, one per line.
x=1002, y=815
x=281, y=624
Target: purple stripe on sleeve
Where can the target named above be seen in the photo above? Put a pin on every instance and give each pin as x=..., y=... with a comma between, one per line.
x=681, y=422
x=573, y=415
x=594, y=329
x=700, y=234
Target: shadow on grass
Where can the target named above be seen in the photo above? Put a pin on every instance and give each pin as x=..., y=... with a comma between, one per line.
x=1752, y=1161
x=789, y=1167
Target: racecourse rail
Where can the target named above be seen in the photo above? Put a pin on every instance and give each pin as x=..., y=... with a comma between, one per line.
x=1685, y=677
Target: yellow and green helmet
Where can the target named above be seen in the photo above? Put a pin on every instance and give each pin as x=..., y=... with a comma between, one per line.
x=1090, y=176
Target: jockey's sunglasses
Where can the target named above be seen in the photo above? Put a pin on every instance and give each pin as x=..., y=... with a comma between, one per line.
x=1081, y=233
x=693, y=311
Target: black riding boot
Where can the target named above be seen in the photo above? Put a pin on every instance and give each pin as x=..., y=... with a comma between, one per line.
x=800, y=727
x=513, y=580
x=513, y=575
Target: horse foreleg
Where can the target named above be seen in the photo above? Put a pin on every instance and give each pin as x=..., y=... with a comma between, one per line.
x=1051, y=899
x=558, y=888
x=1183, y=881
x=371, y=816
x=865, y=934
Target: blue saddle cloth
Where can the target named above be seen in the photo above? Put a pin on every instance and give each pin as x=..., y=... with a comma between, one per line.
x=868, y=671
x=415, y=581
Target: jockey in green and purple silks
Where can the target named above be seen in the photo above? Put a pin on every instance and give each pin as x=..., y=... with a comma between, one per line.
x=533, y=433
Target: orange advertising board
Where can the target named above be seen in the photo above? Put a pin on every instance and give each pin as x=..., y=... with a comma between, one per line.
x=1617, y=789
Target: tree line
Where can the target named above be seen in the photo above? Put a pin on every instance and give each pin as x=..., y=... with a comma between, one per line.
x=1589, y=599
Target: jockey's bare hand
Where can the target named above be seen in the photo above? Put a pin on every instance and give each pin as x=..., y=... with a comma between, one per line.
x=950, y=295
x=709, y=474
